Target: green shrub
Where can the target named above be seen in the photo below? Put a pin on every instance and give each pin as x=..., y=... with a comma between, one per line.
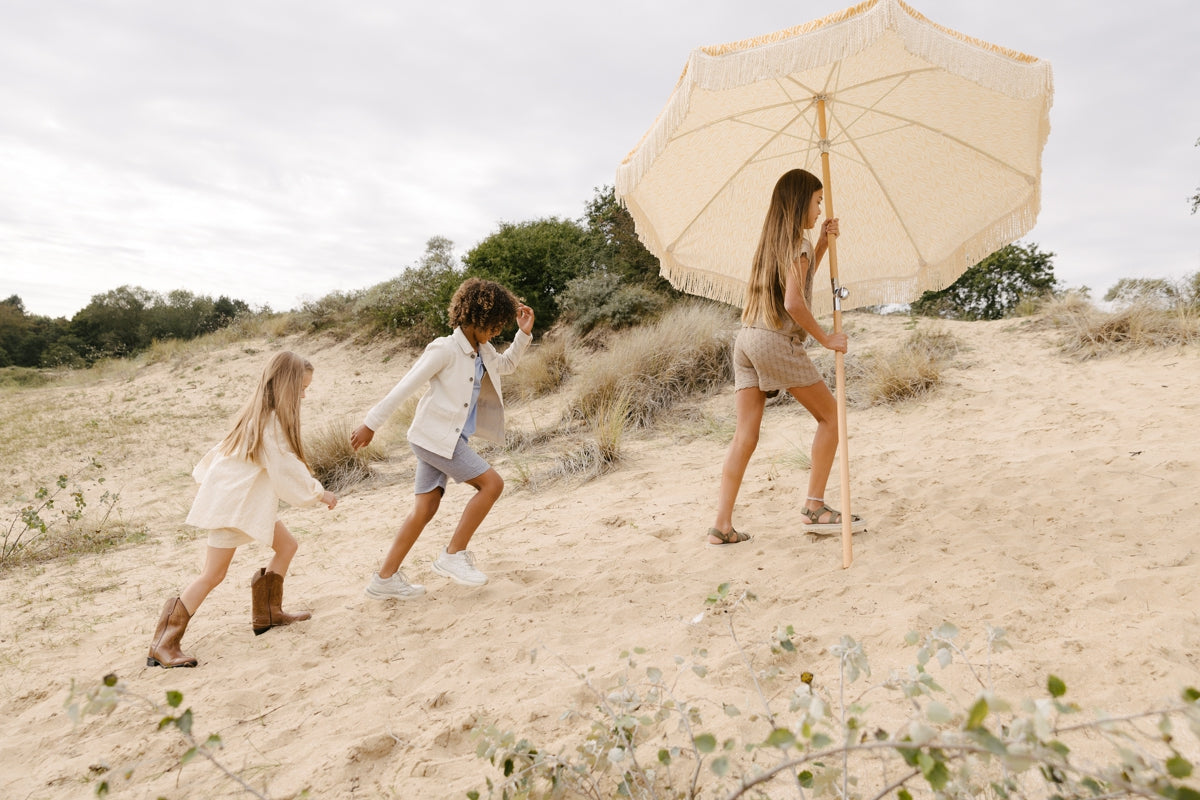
x=24, y=377
x=602, y=300
x=71, y=515
x=331, y=313
x=993, y=288
x=643, y=735
x=414, y=305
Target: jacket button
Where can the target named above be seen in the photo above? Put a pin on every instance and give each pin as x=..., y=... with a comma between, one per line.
x=466, y=404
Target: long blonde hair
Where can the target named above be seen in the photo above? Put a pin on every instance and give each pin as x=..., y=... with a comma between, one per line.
x=778, y=247
x=278, y=393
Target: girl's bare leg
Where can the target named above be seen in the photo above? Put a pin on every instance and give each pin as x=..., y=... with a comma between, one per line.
x=488, y=487
x=821, y=404
x=216, y=564
x=285, y=546
x=749, y=404
x=424, y=508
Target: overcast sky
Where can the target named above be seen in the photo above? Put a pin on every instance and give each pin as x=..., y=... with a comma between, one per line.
x=276, y=150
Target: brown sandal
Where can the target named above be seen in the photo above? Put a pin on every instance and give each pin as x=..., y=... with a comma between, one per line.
x=733, y=537
x=835, y=521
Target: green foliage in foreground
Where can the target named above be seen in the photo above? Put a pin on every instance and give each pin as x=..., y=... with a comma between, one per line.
x=645, y=739
x=994, y=287
x=111, y=692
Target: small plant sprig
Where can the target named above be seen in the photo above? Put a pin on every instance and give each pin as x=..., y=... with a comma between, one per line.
x=646, y=741
x=29, y=527
x=111, y=692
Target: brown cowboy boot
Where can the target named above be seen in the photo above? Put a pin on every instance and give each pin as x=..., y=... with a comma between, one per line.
x=266, y=594
x=164, y=650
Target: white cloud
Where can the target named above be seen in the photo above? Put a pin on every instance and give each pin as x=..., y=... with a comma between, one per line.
x=276, y=150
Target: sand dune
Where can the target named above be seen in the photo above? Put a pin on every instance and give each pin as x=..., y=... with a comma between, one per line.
x=1053, y=498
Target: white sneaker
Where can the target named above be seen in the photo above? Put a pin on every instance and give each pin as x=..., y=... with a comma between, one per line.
x=459, y=567
x=396, y=587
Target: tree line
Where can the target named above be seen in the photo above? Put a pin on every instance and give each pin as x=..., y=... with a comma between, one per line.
x=115, y=324
x=591, y=272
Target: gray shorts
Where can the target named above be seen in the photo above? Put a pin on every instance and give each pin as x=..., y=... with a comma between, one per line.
x=432, y=469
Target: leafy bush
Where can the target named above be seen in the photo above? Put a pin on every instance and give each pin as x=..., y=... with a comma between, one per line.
x=23, y=377
x=614, y=246
x=414, y=306
x=602, y=300
x=1158, y=293
x=535, y=260
x=994, y=287
x=111, y=692
x=328, y=314
x=643, y=737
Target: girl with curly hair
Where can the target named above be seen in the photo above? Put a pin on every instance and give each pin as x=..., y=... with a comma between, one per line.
x=463, y=372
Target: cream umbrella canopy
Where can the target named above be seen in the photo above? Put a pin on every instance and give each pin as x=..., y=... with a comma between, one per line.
x=929, y=141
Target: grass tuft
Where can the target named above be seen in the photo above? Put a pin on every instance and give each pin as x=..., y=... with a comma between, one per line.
x=542, y=370
x=910, y=371
x=653, y=367
x=1089, y=332
x=334, y=462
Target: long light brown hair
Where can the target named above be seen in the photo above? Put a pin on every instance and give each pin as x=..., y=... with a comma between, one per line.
x=278, y=393
x=778, y=248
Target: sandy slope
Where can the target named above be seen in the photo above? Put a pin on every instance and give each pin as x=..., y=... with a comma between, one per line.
x=1052, y=498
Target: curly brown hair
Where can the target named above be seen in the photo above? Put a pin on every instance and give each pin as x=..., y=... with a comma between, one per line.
x=482, y=304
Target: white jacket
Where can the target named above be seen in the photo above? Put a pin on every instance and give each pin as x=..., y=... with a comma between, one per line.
x=245, y=495
x=448, y=366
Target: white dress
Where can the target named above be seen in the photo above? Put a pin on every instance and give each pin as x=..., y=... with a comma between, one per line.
x=238, y=496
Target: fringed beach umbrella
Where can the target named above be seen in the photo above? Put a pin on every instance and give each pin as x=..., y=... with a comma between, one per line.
x=929, y=141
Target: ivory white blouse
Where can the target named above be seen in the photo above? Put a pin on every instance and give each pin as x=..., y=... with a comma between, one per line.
x=244, y=495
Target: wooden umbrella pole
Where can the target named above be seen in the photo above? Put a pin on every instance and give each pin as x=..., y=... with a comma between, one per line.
x=840, y=360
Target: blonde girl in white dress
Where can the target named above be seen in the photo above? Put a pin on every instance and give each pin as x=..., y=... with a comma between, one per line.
x=242, y=480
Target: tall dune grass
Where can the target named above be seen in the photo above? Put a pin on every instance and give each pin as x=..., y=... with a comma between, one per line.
x=687, y=351
x=334, y=462
x=911, y=370
x=1089, y=332
x=542, y=370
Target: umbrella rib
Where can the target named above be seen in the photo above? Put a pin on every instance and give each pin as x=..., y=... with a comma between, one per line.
x=700, y=212
x=870, y=167
x=843, y=135
x=902, y=78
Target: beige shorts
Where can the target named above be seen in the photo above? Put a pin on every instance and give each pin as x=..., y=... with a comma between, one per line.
x=771, y=361
x=228, y=537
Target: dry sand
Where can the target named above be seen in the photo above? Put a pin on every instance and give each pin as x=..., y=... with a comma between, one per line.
x=1053, y=498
